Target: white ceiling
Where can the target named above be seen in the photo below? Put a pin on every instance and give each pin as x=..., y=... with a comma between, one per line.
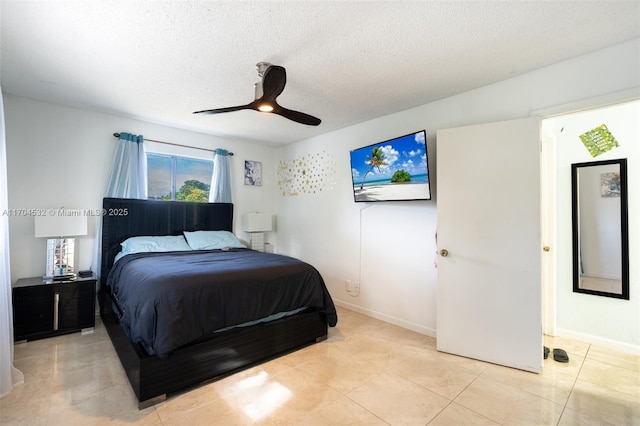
x=346, y=61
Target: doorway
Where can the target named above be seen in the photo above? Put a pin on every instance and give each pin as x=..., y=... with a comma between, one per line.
x=587, y=318
x=477, y=293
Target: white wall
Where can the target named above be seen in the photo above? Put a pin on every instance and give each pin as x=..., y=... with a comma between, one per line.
x=390, y=248
x=62, y=157
x=593, y=318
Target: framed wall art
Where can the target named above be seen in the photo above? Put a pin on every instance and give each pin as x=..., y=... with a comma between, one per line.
x=252, y=173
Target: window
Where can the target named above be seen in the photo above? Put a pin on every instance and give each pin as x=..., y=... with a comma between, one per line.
x=171, y=177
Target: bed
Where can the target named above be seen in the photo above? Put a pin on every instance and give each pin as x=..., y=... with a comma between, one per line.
x=180, y=318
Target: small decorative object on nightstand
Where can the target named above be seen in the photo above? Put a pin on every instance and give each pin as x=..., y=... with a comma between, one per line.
x=85, y=274
x=45, y=308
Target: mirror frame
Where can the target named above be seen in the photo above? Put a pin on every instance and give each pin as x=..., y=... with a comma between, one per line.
x=624, y=228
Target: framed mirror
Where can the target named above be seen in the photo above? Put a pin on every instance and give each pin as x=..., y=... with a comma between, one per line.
x=600, y=228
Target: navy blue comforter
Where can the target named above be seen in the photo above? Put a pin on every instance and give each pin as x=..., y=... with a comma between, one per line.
x=168, y=300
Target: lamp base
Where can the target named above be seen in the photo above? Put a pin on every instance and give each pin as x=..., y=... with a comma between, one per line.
x=64, y=277
x=60, y=259
x=257, y=240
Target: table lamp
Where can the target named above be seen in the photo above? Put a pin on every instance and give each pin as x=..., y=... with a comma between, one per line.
x=60, y=248
x=256, y=224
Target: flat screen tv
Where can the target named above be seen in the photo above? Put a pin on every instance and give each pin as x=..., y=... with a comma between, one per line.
x=392, y=170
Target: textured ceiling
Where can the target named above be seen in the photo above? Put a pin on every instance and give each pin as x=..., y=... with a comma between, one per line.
x=346, y=61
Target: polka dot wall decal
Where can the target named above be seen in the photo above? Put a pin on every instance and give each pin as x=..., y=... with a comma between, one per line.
x=309, y=174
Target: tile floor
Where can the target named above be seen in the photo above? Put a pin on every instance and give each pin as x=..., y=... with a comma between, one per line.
x=600, y=284
x=368, y=372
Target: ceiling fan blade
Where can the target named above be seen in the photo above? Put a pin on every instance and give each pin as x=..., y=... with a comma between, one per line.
x=274, y=78
x=227, y=109
x=273, y=82
x=296, y=116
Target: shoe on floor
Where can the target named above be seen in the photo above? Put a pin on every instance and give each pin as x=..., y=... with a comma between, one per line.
x=560, y=355
x=546, y=352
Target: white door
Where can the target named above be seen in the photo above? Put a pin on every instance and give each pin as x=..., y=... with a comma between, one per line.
x=489, y=282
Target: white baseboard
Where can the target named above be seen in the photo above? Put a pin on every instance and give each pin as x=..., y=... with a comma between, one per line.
x=582, y=337
x=599, y=341
x=386, y=318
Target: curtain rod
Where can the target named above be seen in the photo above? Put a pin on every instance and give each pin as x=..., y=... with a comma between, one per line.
x=117, y=135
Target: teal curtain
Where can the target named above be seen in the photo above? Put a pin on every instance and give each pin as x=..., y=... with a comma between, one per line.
x=221, y=179
x=9, y=375
x=129, y=172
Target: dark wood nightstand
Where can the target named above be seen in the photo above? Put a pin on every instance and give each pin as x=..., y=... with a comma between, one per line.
x=49, y=308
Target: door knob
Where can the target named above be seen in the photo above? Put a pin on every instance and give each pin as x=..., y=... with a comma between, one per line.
x=444, y=252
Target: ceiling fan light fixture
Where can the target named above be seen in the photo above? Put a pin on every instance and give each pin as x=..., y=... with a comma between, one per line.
x=273, y=80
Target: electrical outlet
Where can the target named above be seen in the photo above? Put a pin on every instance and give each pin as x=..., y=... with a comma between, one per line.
x=348, y=285
x=356, y=287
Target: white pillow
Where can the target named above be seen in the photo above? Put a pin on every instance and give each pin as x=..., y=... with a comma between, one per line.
x=212, y=240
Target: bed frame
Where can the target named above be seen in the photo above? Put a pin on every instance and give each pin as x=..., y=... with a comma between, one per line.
x=223, y=353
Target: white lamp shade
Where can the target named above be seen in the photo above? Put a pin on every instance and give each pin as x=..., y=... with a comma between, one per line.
x=61, y=226
x=257, y=222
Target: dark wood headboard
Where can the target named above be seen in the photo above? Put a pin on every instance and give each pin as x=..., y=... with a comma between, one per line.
x=123, y=218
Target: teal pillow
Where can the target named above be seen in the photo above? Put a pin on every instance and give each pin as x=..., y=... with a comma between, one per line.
x=152, y=244
x=212, y=240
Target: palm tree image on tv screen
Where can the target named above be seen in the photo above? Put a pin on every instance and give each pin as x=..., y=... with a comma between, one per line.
x=393, y=170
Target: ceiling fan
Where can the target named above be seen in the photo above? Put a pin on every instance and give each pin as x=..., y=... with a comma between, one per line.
x=274, y=78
